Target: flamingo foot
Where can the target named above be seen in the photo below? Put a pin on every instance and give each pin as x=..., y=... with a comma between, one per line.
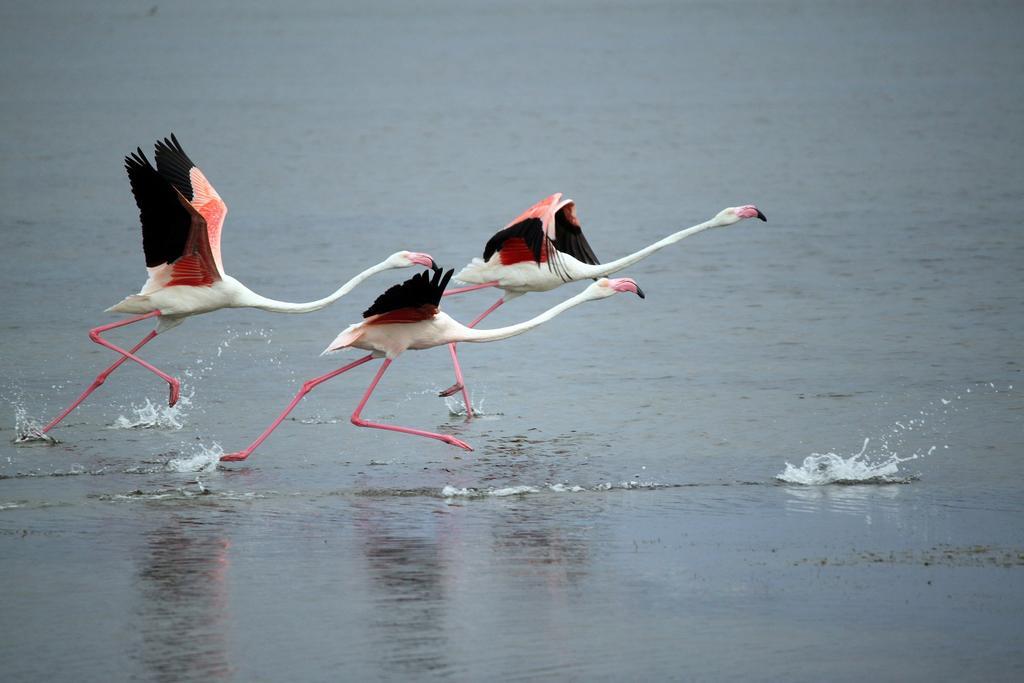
x=234, y=457
x=175, y=393
x=456, y=442
x=453, y=389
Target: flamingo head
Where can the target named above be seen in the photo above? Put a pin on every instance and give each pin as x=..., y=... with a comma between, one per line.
x=734, y=214
x=606, y=287
x=405, y=259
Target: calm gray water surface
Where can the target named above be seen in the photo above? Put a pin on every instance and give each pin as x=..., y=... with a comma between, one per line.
x=882, y=301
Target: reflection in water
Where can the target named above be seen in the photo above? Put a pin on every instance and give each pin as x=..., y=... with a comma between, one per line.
x=184, y=601
x=529, y=537
x=547, y=552
x=852, y=500
x=531, y=542
x=407, y=568
x=427, y=587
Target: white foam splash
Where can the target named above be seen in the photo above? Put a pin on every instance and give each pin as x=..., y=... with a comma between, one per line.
x=317, y=420
x=27, y=430
x=156, y=416
x=629, y=485
x=457, y=408
x=160, y=416
x=819, y=469
x=883, y=466
x=191, y=489
x=204, y=461
x=491, y=492
x=452, y=492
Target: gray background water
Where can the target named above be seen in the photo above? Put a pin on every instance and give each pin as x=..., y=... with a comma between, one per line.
x=882, y=140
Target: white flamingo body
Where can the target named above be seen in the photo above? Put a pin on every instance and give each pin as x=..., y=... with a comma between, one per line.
x=182, y=218
x=406, y=317
x=182, y=301
x=531, y=276
x=544, y=248
x=390, y=341
x=178, y=302
x=517, y=278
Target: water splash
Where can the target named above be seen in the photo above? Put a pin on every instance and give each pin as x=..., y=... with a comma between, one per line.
x=205, y=460
x=260, y=334
x=150, y=415
x=75, y=471
x=157, y=416
x=453, y=492
x=192, y=489
x=317, y=420
x=456, y=407
x=27, y=430
x=883, y=466
x=631, y=485
x=829, y=468
x=450, y=491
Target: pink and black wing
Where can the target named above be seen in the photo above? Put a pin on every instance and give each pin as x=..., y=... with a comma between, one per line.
x=540, y=234
x=418, y=298
x=165, y=221
x=175, y=166
x=173, y=232
x=522, y=241
x=569, y=237
x=180, y=171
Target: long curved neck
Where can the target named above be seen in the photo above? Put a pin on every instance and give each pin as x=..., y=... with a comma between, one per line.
x=606, y=269
x=254, y=300
x=467, y=334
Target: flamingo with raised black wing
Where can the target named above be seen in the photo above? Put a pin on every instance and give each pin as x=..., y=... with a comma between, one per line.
x=407, y=316
x=543, y=248
x=182, y=216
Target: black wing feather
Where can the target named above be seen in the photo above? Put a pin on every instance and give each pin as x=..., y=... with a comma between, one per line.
x=569, y=239
x=531, y=230
x=174, y=165
x=165, y=222
x=419, y=290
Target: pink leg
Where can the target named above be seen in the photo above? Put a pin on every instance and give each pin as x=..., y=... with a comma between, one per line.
x=102, y=377
x=306, y=388
x=492, y=309
x=471, y=288
x=95, y=336
x=360, y=422
x=459, y=384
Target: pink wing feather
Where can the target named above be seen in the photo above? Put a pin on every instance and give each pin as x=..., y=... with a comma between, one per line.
x=544, y=210
x=348, y=336
x=212, y=208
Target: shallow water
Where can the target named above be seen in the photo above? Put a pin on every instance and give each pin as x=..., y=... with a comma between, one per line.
x=798, y=458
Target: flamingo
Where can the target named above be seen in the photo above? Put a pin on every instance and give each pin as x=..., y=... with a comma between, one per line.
x=543, y=248
x=407, y=316
x=182, y=216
